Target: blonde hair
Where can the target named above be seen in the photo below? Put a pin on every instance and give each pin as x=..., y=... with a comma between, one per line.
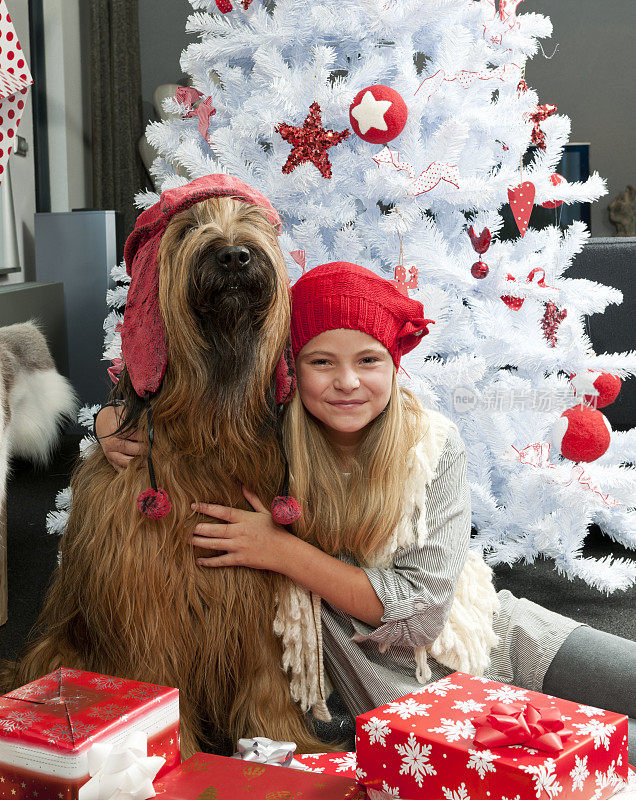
x=354, y=514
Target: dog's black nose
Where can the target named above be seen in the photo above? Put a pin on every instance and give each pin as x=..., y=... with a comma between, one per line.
x=233, y=257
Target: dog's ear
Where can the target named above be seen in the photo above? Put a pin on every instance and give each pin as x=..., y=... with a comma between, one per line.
x=285, y=376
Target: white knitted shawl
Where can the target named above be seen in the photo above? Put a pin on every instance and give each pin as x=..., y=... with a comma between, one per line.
x=465, y=640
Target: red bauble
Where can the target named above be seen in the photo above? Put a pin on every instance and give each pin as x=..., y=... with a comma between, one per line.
x=555, y=180
x=154, y=503
x=378, y=114
x=521, y=199
x=597, y=389
x=285, y=510
x=582, y=434
x=479, y=269
x=310, y=142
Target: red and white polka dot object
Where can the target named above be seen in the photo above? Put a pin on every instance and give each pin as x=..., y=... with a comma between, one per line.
x=378, y=114
x=15, y=79
x=521, y=199
x=581, y=434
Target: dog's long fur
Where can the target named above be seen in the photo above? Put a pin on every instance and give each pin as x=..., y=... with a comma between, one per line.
x=128, y=598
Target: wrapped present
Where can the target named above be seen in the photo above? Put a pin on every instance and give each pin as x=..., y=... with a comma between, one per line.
x=64, y=729
x=329, y=763
x=208, y=777
x=468, y=738
x=15, y=80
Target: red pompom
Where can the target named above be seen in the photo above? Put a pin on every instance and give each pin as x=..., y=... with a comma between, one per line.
x=154, y=503
x=582, y=434
x=285, y=510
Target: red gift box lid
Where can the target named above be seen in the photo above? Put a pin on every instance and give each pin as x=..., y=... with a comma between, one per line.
x=208, y=777
x=68, y=709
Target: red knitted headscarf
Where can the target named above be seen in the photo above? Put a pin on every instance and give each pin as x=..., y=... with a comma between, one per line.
x=344, y=295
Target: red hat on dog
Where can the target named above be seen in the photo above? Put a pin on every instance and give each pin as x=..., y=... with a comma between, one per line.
x=345, y=295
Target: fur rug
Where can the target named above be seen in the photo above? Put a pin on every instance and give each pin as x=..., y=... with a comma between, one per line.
x=34, y=398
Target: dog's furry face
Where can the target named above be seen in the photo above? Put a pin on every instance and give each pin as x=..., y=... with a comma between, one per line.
x=214, y=309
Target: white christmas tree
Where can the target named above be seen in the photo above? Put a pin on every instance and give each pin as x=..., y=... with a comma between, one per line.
x=299, y=100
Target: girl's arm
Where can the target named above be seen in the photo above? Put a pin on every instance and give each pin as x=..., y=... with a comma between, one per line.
x=342, y=585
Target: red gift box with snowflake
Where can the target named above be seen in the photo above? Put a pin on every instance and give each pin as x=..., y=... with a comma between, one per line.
x=209, y=777
x=468, y=738
x=48, y=727
x=330, y=763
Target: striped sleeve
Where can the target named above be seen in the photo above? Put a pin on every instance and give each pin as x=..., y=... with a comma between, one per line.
x=418, y=589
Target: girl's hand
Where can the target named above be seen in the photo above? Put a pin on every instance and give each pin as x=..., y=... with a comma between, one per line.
x=119, y=452
x=248, y=538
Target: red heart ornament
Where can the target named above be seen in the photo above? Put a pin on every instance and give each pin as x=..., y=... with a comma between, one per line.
x=521, y=199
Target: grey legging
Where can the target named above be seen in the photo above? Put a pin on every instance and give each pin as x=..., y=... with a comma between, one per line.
x=598, y=669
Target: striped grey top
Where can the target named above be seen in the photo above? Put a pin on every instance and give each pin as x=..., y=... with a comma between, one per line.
x=416, y=592
x=373, y=666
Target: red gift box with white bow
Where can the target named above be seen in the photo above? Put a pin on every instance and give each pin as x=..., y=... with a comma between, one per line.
x=469, y=738
x=50, y=727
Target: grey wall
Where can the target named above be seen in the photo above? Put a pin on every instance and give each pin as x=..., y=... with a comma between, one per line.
x=162, y=38
x=591, y=78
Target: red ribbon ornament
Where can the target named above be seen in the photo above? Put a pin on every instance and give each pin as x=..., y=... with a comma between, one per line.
x=517, y=723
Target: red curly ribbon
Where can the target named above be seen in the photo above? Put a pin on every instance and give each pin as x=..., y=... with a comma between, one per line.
x=516, y=723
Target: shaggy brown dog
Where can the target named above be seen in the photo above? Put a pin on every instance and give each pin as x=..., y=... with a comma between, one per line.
x=128, y=598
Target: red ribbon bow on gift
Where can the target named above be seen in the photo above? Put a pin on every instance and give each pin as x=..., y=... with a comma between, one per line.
x=516, y=723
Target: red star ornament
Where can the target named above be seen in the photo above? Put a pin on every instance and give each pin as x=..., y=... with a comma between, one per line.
x=310, y=142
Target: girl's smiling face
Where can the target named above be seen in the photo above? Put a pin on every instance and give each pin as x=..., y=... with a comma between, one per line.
x=344, y=380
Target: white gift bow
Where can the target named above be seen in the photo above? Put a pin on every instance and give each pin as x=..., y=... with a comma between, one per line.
x=121, y=773
x=267, y=751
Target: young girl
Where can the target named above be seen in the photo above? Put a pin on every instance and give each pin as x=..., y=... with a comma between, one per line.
x=384, y=536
